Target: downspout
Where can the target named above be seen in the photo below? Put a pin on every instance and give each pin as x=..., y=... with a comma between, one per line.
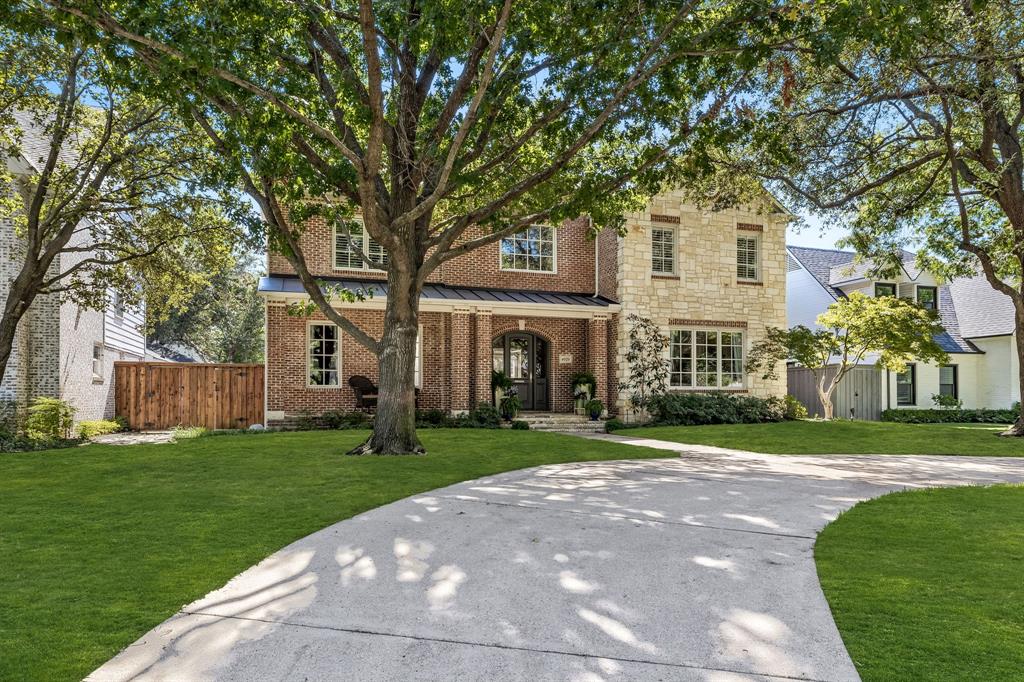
x=597, y=259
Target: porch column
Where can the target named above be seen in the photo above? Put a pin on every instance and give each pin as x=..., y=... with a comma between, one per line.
x=460, y=359
x=597, y=354
x=482, y=392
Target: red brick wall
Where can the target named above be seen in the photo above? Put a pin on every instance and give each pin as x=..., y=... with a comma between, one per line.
x=478, y=268
x=287, y=388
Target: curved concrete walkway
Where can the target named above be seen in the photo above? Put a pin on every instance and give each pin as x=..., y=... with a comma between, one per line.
x=697, y=568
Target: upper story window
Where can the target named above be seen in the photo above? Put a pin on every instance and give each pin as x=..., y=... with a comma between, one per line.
x=117, y=305
x=747, y=247
x=885, y=289
x=663, y=250
x=324, y=354
x=347, y=247
x=928, y=297
x=532, y=250
x=705, y=359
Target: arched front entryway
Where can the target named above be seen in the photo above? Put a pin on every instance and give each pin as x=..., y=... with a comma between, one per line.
x=524, y=358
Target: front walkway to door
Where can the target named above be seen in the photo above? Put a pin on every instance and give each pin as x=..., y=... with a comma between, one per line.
x=524, y=358
x=697, y=568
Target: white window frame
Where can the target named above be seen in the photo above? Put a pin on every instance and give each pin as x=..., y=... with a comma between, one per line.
x=375, y=250
x=673, y=252
x=98, y=363
x=309, y=355
x=418, y=368
x=554, y=252
x=693, y=331
x=755, y=237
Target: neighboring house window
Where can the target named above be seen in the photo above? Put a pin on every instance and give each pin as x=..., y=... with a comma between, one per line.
x=347, y=247
x=117, y=304
x=906, y=386
x=532, y=250
x=97, y=362
x=746, y=258
x=928, y=297
x=705, y=359
x=948, y=384
x=324, y=355
x=663, y=250
x=885, y=289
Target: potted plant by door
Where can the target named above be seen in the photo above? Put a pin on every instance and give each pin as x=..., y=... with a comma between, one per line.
x=594, y=409
x=500, y=385
x=584, y=387
x=510, y=405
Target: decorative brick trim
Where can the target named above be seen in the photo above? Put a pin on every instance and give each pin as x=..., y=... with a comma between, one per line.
x=749, y=284
x=750, y=227
x=662, y=218
x=707, y=323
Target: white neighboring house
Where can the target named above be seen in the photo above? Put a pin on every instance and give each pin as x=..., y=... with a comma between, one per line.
x=978, y=321
x=61, y=349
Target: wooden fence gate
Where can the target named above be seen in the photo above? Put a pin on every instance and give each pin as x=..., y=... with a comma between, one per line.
x=858, y=396
x=161, y=395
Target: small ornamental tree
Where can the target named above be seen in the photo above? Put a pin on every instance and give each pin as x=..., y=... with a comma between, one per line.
x=648, y=368
x=443, y=126
x=852, y=329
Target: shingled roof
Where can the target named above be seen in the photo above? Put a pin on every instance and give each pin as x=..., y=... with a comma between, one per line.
x=982, y=310
x=822, y=263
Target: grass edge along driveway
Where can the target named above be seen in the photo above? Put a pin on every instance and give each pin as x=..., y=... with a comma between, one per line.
x=844, y=437
x=102, y=543
x=926, y=584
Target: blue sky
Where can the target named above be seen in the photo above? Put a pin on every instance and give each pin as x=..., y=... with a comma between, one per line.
x=814, y=233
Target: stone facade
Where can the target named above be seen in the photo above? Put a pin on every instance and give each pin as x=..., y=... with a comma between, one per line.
x=704, y=291
x=457, y=335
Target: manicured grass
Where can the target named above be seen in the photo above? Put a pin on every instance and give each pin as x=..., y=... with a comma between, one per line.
x=844, y=438
x=927, y=585
x=101, y=543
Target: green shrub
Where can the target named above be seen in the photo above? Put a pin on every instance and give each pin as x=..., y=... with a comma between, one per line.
x=338, y=419
x=692, y=409
x=98, y=427
x=950, y=416
x=794, y=409
x=189, y=432
x=484, y=416
x=49, y=419
x=949, y=402
x=520, y=425
x=14, y=443
x=615, y=425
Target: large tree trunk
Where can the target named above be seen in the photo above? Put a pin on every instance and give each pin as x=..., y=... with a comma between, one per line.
x=394, y=426
x=1018, y=427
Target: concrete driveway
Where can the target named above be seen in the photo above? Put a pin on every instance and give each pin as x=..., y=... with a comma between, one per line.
x=696, y=568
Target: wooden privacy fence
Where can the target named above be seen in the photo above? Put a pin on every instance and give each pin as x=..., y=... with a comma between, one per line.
x=858, y=396
x=161, y=395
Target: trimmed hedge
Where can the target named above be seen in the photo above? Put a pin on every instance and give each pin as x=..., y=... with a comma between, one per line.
x=693, y=409
x=951, y=416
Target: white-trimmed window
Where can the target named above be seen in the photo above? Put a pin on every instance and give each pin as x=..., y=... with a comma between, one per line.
x=663, y=250
x=347, y=247
x=323, y=354
x=747, y=257
x=532, y=250
x=418, y=371
x=97, y=362
x=705, y=359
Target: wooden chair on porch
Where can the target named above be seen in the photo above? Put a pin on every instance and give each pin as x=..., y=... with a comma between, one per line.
x=366, y=392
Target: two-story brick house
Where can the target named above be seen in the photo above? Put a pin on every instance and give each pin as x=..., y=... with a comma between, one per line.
x=542, y=305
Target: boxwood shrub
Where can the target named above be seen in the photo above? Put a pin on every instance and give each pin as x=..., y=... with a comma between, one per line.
x=692, y=409
x=951, y=416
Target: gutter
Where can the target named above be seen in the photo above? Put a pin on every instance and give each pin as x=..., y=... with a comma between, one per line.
x=597, y=259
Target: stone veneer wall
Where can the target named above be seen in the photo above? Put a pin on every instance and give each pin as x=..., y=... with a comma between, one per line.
x=704, y=290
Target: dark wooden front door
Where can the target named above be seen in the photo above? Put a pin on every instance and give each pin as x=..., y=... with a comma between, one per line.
x=524, y=358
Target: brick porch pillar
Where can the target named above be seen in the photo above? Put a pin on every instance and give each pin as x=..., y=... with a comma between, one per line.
x=460, y=359
x=597, y=354
x=482, y=358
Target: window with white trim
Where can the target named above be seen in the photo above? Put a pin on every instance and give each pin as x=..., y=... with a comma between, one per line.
x=705, y=358
x=347, y=247
x=418, y=371
x=324, y=354
x=663, y=250
x=747, y=257
x=97, y=362
x=532, y=250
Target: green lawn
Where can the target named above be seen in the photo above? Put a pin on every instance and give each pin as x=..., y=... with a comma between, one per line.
x=928, y=585
x=844, y=438
x=101, y=543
